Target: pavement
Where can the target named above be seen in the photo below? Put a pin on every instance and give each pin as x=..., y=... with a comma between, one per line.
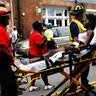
x=55, y=79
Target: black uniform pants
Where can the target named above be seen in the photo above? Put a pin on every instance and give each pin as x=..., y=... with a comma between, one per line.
x=83, y=76
x=50, y=45
x=7, y=80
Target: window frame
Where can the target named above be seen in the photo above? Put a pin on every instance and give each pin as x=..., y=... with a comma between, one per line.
x=64, y=19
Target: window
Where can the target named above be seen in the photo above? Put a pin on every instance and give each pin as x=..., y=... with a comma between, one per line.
x=58, y=16
x=65, y=12
x=59, y=12
x=51, y=21
x=43, y=11
x=66, y=22
x=50, y=11
x=59, y=22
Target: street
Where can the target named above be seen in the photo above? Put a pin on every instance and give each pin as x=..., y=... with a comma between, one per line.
x=55, y=79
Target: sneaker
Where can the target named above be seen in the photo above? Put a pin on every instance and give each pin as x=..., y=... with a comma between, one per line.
x=33, y=88
x=23, y=61
x=48, y=87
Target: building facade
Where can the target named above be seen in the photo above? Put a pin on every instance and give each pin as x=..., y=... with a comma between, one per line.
x=24, y=12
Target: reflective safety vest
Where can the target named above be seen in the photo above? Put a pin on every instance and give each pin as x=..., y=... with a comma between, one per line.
x=80, y=27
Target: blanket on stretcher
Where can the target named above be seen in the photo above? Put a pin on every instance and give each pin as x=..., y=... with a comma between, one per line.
x=40, y=65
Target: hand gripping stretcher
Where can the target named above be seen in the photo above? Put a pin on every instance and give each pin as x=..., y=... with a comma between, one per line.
x=78, y=57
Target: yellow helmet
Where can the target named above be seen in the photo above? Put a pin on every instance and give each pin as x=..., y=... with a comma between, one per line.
x=78, y=9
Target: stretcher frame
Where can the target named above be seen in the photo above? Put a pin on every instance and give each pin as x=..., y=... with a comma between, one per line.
x=26, y=74
x=22, y=77
x=74, y=79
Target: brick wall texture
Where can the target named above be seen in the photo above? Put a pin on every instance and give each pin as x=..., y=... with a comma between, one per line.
x=28, y=7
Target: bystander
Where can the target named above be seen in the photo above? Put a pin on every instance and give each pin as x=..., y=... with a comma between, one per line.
x=51, y=44
x=38, y=47
x=7, y=78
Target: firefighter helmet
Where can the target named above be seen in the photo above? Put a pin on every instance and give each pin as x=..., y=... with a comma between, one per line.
x=78, y=9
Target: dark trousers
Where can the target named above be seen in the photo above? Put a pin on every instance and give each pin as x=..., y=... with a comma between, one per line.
x=84, y=79
x=84, y=75
x=50, y=45
x=7, y=80
x=44, y=75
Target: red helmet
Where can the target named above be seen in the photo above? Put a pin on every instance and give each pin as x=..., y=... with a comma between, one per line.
x=4, y=12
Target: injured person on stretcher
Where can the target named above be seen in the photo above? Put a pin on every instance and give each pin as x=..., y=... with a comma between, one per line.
x=85, y=39
x=39, y=63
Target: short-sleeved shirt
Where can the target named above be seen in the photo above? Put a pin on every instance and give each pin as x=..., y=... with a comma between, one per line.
x=36, y=38
x=15, y=33
x=93, y=41
x=49, y=34
x=74, y=30
x=5, y=40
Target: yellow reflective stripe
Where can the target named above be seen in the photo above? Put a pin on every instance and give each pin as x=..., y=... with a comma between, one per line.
x=80, y=26
x=82, y=7
x=70, y=36
x=78, y=7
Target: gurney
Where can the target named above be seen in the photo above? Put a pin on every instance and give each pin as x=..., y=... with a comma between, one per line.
x=69, y=62
x=23, y=72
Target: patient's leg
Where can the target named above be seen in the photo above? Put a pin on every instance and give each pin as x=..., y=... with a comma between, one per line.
x=48, y=54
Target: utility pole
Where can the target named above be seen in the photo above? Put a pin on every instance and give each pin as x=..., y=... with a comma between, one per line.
x=20, y=30
x=11, y=7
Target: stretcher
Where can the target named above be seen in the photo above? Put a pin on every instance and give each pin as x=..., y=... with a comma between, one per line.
x=24, y=72
x=23, y=77
x=68, y=59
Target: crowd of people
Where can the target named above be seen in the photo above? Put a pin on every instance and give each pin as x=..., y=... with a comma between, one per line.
x=82, y=32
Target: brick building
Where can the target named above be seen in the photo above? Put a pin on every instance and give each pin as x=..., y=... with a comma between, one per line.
x=24, y=12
